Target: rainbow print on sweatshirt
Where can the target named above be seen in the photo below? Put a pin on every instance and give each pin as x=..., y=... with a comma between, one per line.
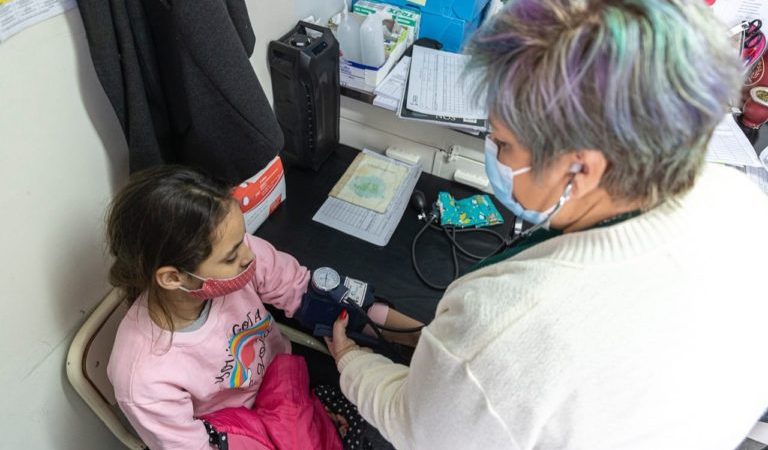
x=242, y=348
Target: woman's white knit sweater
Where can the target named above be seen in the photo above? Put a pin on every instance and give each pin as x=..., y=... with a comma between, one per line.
x=649, y=334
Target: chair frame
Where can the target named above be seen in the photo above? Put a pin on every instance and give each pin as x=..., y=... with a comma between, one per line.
x=76, y=370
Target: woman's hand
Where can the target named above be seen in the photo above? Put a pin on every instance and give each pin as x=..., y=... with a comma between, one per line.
x=340, y=344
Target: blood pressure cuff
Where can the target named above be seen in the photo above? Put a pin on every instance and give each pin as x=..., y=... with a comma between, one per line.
x=324, y=308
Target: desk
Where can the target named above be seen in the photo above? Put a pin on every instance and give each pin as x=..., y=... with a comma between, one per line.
x=388, y=269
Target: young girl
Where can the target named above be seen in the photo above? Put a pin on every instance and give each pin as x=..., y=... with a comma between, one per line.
x=198, y=337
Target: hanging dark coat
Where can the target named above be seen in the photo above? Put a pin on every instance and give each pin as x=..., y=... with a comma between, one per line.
x=178, y=76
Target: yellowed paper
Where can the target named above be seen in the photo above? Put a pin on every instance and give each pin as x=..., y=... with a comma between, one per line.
x=370, y=182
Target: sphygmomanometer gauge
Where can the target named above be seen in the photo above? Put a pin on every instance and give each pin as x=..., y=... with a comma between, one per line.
x=325, y=279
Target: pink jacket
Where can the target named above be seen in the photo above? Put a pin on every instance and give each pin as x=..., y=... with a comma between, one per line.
x=286, y=415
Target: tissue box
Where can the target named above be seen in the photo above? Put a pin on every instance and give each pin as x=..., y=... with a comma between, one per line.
x=451, y=22
x=410, y=19
x=459, y=9
x=261, y=194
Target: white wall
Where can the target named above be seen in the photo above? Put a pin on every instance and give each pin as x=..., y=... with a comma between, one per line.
x=62, y=155
x=320, y=9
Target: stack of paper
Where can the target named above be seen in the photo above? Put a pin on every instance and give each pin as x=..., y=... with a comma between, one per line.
x=732, y=12
x=367, y=224
x=730, y=146
x=759, y=175
x=390, y=91
x=439, y=91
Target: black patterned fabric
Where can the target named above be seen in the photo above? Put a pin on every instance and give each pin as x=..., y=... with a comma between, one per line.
x=360, y=435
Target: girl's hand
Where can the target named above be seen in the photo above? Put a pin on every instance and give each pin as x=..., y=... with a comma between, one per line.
x=340, y=344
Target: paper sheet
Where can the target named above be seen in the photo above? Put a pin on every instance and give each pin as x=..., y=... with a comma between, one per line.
x=732, y=12
x=760, y=176
x=366, y=224
x=729, y=145
x=370, y=182
x=394, y=82
x=16, y=15
x=385, y=102
x=439, y=86
x=389, y=92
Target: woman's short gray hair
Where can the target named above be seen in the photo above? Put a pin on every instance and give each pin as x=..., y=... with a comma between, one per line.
x=644, y=81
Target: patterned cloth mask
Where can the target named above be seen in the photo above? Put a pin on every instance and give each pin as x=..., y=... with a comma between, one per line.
x=474, y=211
x=218, y=287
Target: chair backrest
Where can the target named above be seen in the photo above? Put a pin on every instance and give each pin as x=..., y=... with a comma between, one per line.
x=87, y=366
x=89, y=354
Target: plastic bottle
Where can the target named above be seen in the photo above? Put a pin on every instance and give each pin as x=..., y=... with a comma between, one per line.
x=348, y=35
x=372, y=39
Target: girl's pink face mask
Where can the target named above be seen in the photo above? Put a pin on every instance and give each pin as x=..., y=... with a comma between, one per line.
x=218, y=287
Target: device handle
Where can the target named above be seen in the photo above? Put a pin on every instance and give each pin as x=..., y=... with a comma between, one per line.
x=314, y=26
x=327, y=35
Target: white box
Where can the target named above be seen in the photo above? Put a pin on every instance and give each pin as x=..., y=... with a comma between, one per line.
x=365, y=78
x=261, y=194
x=407, y=18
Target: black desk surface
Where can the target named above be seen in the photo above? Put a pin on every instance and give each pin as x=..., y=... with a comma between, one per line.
x=388, y=269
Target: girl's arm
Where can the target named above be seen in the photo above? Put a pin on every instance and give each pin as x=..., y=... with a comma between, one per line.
x=280, y=280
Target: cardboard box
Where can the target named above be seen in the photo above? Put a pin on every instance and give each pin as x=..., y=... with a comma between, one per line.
x=410, y=19
x=356, y=75
x=365, y=78
x=261, y=194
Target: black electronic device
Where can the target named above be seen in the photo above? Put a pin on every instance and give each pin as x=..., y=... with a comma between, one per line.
x=304, y=66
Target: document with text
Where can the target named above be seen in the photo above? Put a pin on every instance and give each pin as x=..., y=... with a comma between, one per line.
x=438, y=85
x=729, y=145
x=366, y=224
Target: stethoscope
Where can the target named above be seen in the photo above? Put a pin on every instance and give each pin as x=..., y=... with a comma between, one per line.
x=518, y=234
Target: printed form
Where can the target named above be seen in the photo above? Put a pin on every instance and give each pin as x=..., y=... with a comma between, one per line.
x=366, y=224
x=438, y=85
x=728, y=145
x=16, y=15
x=732, y=12
x=390, y=91
x=760, y=174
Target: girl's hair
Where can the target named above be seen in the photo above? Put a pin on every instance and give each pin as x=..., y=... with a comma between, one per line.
x=164, y=216
x=643, y=81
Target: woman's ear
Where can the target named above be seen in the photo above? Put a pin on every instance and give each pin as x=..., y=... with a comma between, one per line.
x=589, y=167
x=168, y=277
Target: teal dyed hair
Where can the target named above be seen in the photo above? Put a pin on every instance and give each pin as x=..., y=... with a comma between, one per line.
x=644, y=81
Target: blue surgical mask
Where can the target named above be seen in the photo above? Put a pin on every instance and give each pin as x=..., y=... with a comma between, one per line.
x=502, y=181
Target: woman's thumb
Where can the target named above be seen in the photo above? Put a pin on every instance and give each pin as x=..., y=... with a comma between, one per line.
x=340, y=325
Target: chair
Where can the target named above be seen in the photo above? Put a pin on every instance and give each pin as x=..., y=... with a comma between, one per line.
x=89, y=354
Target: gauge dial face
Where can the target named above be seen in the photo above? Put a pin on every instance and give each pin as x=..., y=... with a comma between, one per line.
x=325, y=279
